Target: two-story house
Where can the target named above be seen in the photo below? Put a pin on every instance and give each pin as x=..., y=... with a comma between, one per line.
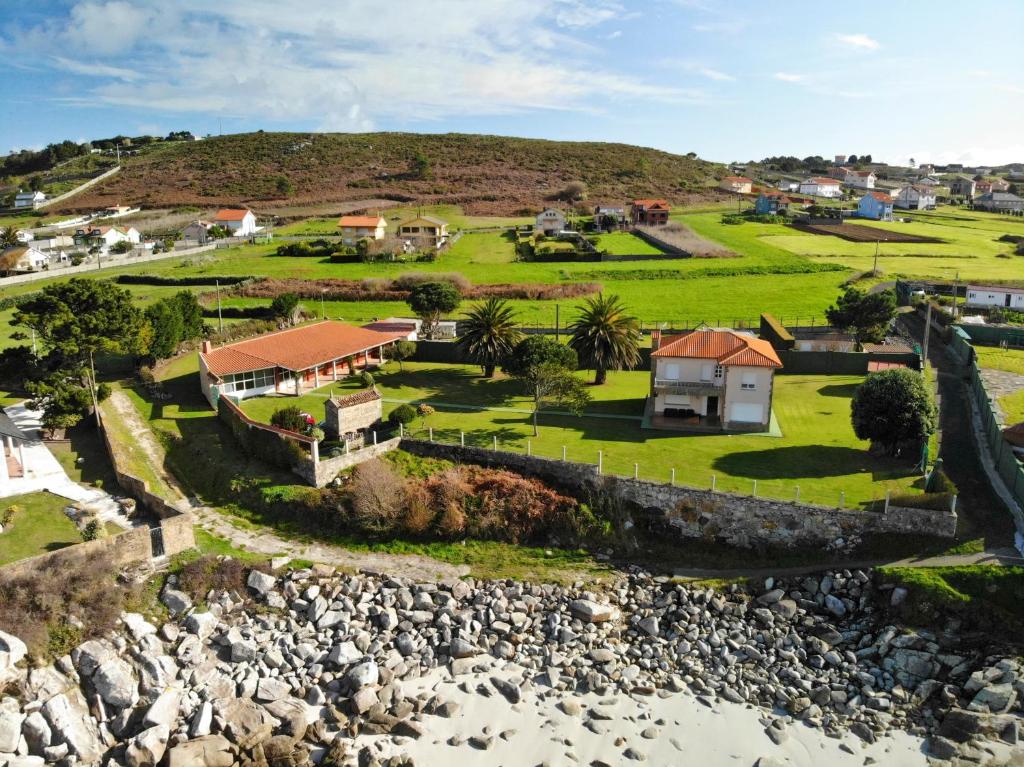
x=424, y=233
x=549, y=221
x=771, y=203
x=913, y=197
x=875, y=205
x=961, y=186
x=819, y=186
x=650, y=212
x=356, y=228
x=736, y=184
x=712, y=380
x=860, y=179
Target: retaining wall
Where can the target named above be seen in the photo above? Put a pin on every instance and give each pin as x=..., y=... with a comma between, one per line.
x=325, y=470
x=80, y=188
x=107, y=262
x=744, y=521
x=129, y=547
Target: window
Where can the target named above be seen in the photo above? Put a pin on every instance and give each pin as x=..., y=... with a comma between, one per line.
x=672, y=371
x=707, y=372
x=252, y=379
x=748, y=381
x=719, y=372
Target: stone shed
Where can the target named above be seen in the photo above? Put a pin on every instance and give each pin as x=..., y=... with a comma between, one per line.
x=351, y=414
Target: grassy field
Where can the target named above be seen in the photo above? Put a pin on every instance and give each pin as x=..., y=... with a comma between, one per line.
x=818, y=450
x=40, y=525
x=994, y=358
x=625, y=243
x=453, y=214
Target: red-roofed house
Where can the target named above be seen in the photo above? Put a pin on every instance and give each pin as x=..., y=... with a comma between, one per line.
x=712, y=380
x=289, y=361
x=737, y=184
x=241, y=222
x=875, y=205
x=355, y=228
x=651, y=212
x=819, y=186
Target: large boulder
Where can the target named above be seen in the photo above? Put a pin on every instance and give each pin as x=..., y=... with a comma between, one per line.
x=90, y=655
x=177, y=602
x=10, y=729
x=147, y=748
x=164, y=710
x=364, y=675
x=270, y=688
x=201, y=624
x=593, y=612
x=71, y=724
x=115, y=683
x=248, y=723
x=12, y=651
x=208, y=751
x=261, y=583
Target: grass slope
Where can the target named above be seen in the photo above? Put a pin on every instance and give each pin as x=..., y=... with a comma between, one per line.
x=40, y=525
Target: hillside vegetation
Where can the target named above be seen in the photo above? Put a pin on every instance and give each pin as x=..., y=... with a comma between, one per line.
x=484, y=174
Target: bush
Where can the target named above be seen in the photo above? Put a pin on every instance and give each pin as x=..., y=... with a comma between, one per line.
x=366, y=379
x=289, y=418
x=9, y=513
x=92, y=530
x=403, y=414
x=209, y=572
x=103, y=392
x=378, y=496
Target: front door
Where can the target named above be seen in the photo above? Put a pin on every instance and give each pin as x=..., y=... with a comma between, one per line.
x=712, y=406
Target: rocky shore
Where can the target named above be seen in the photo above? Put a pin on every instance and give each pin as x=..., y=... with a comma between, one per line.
x=367, y=669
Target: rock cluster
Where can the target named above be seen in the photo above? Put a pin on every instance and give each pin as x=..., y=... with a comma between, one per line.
x=296, y=667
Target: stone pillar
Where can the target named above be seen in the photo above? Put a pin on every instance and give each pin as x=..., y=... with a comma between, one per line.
x=314, y=452
x=334, y=369
x=316, y=377
x=298, y=383
x=21, y=459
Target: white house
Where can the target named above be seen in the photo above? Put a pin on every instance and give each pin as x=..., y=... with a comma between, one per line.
x=860, y=179
x=197, y=231
x=29, y=199
x=788, y=186
x=912, y=197
x=550, y=221
x=105, y=237
x=240, y=222
x=355, y=228
x=712, y=380
x=929, y=181
x=23, y=258
x=424, y=232
x=995, y=295
x=820, y=186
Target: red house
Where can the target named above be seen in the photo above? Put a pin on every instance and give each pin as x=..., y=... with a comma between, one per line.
x=650, y=212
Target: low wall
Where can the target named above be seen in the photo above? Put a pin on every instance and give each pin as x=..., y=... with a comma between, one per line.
x=655, y=241
x=127, y=548
x=107, y=262
x=739, y=520
x=840, y=363
x=80, y=188
x=327, y=469
x=994, y=335
x=1007, y=466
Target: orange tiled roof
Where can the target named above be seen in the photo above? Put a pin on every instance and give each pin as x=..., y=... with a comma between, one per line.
x=649, y=204
x=296, y=349
x=738, y=179
x=821, y=180
x=881, y=196
x=231, y=214
x=358, y=398
x=370, y=221
x=724, y=346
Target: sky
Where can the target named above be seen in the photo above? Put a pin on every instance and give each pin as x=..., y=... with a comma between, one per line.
x=936, y=80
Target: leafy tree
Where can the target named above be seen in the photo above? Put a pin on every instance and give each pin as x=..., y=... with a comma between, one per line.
x=852, y=159
x=167, y=329
x=402, y=351
x=421, y=168
x=403, y=414
x=284, y=187
x=283, y=307
x=490, y=334
x=36, y=183
x=891, y=407
x=191, y=312
x=62, y=397
x=605, y=337
x=867, y=315
x=9, y=237
x=217, y=232
x=431, y=300
x=546, y=370
x=290, y=418
x=121, y=247
x=574, y=190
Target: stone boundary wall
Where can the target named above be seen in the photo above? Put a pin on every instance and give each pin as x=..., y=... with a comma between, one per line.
x=126, y=548
x=106, y=263
x=80, y=188
x=327, y=469
x=652, y=239
x=739, y=520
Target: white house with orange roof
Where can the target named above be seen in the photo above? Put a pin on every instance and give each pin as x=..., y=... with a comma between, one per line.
x=355, y=228
x=712, y=380
x=821, y=186
x=241, y=222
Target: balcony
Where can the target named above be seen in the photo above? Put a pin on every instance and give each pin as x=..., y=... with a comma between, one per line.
x=675, y=386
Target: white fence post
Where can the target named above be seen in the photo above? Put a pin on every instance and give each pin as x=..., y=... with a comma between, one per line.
x=374, y=436
x=431, y=432
x=636, y=471
x=401, y=429
x=462, y=438
x=714, y=482
x=952, y=505
x=672, y=479
x=797, y=499
x=529, y=448
x=887, y=492
x=346, y=447
x=600, y=461
x=563, y=452
x=754, y=492
x=842, y=498
x=495, y=443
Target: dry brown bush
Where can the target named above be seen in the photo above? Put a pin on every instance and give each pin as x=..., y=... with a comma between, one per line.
x=684, y=237
x=378, y=496
x=199, y=576
x=419, y=510
x=382, y=289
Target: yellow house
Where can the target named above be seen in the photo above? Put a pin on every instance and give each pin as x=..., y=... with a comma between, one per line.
x=424, y=232
x=355, y=228
x=736, y=184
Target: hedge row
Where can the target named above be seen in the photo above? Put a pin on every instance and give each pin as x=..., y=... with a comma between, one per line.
x=12, y=302
x=150, y=279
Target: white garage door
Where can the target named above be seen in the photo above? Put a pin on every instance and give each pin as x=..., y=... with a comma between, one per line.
x=746, y=412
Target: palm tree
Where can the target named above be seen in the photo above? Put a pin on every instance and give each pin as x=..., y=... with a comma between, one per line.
x=490, y=334
x=605, y=337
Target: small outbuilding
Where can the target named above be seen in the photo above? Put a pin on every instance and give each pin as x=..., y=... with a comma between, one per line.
x=350, y=415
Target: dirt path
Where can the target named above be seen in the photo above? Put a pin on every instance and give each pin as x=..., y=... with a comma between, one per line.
x=147, y=442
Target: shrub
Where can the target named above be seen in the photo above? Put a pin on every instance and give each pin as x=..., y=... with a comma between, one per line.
x=209, y=572
x=403, y=414
x=9, y=513
x=366, y=379
x=419, y=509
x=92, y=530
x=290, y=418
x=378, y=496
x=103, y=392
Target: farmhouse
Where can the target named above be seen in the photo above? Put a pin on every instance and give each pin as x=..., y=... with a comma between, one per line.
x=609, y=217
x=197, y=231
x=860, y=179
x=104, y=237
x=651, y=212
x=928, y=181
x=22, y=258
x=712, y=380
x=875, y=205
x=239, y=221
x=29, y=199
x=737, y=184
x=549, y=221
x=771, y=203
x=999, y=202
x=961, y=186
x=423, y=233
x=819, y=186
x=291, y=360
x=995, y=295
x=913, y=197
x=985, y=186
x=355, y=228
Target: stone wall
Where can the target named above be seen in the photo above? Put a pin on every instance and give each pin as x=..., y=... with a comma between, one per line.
x=327, y=469
x=129, y=547
x=351, y=418
x=739, y=520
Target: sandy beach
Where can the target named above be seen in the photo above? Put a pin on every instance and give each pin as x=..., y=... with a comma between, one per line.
x=677, y=729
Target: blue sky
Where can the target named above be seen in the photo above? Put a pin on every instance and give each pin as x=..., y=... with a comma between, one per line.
x=939, y=80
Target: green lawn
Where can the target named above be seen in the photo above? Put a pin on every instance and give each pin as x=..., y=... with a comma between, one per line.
x=624, y=243
x=1013, y=407
x=40, y=525
x=84, y=457
x=453, y=214
x=818, y=450
x=994, y=358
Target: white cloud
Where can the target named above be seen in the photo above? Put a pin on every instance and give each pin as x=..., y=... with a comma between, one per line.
x=714, y=74
x=308, y=60
x=789, y=77
x=859, y=41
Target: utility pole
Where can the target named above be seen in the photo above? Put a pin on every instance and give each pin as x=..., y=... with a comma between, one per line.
x=927, y=330
x=874, y=269
x=557, y=307
x=956, y=290
x=92, y=390
x=220, y=316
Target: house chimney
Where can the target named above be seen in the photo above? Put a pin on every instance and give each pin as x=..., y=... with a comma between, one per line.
x=655, y=340
x=207, y=347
